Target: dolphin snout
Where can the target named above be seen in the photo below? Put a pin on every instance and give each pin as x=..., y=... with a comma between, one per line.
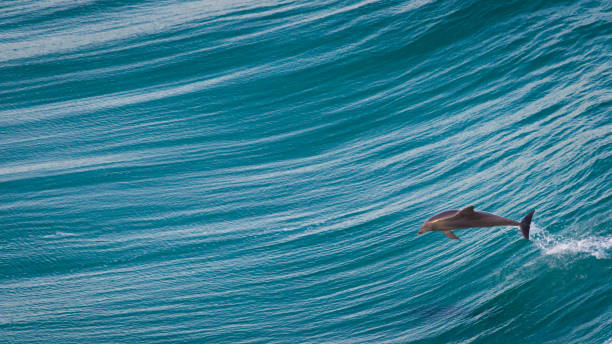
x=424, y=229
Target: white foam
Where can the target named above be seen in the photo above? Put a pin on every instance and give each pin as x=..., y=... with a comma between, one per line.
x=596, y=246
x=59, y=234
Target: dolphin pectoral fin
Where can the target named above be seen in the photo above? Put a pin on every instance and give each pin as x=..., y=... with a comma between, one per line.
x=451, y=235
x=469, y=211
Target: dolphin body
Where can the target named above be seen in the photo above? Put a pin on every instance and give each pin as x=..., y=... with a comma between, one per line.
x=448, y=220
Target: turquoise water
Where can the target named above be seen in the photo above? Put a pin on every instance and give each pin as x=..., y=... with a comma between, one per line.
x=257, y=171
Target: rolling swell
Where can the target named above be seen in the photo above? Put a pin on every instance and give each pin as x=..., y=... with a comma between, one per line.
x=257, y=171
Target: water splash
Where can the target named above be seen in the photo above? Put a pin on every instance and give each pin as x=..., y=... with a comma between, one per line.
x=554, y=244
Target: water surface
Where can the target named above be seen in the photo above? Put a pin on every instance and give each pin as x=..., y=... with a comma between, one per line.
x=256, y=171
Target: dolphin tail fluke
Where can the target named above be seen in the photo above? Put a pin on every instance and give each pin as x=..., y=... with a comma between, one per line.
x=526, y=224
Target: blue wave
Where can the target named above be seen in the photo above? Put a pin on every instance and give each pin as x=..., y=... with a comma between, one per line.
x=256, y=171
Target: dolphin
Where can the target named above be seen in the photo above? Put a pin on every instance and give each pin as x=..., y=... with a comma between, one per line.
x=448, y=220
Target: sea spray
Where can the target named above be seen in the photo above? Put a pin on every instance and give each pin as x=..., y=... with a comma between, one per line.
x=557, y=244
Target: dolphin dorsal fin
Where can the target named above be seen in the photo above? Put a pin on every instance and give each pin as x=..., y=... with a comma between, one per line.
x=469, y=211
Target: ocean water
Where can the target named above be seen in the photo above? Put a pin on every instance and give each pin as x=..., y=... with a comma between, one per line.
x=257, y=171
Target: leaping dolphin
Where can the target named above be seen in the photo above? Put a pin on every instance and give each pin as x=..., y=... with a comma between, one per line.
x=448, y=220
